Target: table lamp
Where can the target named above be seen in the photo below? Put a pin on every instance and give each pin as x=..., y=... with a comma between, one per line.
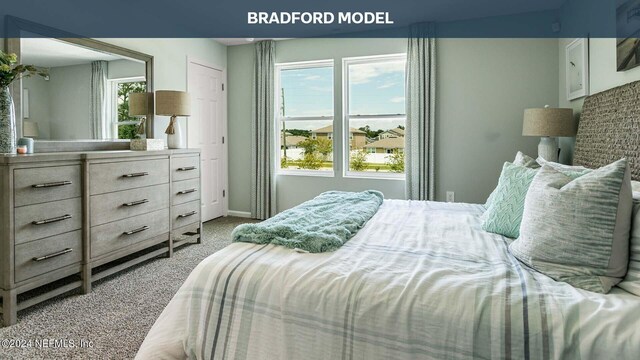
x=141, y=105
x=174, y=104
x=548, y=123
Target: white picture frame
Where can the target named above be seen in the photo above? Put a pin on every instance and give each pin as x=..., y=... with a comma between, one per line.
x=25, y=103
x=577, y=68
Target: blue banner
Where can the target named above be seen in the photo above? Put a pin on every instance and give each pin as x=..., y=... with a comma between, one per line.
x=327, y=18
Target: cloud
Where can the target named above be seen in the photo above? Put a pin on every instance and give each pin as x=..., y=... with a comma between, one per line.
x=387, y=85
x=363, y=73
x=397, y=99
x=313, y=77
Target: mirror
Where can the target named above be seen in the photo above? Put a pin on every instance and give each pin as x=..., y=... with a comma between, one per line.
x=84, y=98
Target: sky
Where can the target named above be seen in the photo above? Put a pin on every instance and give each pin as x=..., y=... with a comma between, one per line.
x=375, y=88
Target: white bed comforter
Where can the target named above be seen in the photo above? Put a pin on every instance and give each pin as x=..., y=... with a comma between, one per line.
x=420, y=280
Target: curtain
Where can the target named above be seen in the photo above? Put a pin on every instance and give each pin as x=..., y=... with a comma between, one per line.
x=99, y=99
x=420, y=103
x=263, y=180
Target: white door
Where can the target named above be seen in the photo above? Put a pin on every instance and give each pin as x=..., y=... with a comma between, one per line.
x=205, y=131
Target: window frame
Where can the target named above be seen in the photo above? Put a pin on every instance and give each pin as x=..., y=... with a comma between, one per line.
x=279, y=119
x=112, y=105
x=346, y=62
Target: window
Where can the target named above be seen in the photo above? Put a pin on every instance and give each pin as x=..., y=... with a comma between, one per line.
x=374, y=115
x=305, y=117
x=121, y=125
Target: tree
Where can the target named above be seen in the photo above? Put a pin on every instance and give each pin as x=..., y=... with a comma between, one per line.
x=401, y=127
x=324, y=147
x=298, y=132
x=395, y=161
x=128, y=131
x=370, y=133
x=311, y=161
x=358, y=161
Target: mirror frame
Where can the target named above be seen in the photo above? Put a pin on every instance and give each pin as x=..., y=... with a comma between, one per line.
x=14, y=26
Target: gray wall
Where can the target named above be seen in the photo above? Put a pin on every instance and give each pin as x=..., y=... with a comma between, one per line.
x=170, y=64
x=483, y=86
x=69, y=97
x=39, y=104
x=603, y=75
x=170, y=60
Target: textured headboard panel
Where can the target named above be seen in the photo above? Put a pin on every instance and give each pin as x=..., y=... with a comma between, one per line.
x=609, y=129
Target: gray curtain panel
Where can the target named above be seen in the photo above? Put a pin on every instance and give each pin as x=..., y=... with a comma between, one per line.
x=263, y=180
x=420, y=128
x=99, y=71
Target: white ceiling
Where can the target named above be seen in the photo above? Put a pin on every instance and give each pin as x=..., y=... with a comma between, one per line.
x=45, y=52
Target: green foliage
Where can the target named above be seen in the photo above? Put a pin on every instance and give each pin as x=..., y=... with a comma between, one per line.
x=324, y=147
x=298, y=132
x=284, y=162
x=9, y=72
x=370, y=133
x=311, y=161
x=401, y=127
x=315, y=151
x=128, y=131
x=395, y=162
x=358, y=160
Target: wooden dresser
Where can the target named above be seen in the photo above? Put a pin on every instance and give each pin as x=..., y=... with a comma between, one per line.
x=68, y=219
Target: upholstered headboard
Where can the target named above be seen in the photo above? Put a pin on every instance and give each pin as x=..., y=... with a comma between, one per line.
x=609, y=129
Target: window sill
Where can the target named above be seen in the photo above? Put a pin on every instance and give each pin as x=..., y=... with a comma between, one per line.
x=310, y=173
x=374, y=176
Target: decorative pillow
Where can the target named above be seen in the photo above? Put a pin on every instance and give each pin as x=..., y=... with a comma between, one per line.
x=522, y=160
x=504, y=214
x=576, y=230
x=631, y=282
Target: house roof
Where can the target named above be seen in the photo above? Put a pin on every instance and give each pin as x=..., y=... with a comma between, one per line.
x=388, y=143
x=329, y=129
x=397, y=131
x=295, y=140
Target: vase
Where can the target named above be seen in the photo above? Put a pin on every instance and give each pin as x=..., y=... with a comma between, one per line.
x=7, y=122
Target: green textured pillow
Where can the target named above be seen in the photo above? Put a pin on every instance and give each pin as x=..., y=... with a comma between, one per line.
x=576, y=230
x=505, y=211
x=521, y=159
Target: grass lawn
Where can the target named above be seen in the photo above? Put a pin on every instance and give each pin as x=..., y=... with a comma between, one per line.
x=295, y=164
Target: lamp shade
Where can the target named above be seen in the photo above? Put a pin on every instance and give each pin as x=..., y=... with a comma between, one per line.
x=30, y=129
x=140, y=104
x=173, y=103
x=548, y=122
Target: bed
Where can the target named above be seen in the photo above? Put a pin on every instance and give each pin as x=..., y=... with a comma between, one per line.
x=419, y=280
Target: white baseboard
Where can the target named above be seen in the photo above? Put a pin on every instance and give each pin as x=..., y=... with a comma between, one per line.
x=242, y=214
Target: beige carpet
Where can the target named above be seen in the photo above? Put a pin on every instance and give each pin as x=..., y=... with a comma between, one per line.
x=116, y=316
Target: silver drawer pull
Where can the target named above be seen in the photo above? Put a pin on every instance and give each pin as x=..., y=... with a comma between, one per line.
x=52, y=184
x=188, y=191
x=61, y=252
x=134, y=203
x=187, y=168
x=52, y=220
x=136, y=230
x=135, y=175
x=190, y=213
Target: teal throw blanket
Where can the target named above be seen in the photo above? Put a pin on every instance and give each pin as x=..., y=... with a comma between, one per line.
x=322, y=224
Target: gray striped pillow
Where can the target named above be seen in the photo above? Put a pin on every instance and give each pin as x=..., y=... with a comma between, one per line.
x=576, y=230
x=631, y=282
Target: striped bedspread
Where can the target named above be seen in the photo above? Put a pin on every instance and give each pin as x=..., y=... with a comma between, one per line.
x=421, y=280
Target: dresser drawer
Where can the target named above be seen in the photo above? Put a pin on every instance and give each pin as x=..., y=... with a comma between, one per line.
x=42, y=256
x=185, y=191
x=185, y=214
x=119, y=234
x=127, y=175
x=183, y=168
x=38, y=221
x=128, y=203
x=38, y=185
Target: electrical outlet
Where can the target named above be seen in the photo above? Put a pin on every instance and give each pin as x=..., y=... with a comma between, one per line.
x=451, y=196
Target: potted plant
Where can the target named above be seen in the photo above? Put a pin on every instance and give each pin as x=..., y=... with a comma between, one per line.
x=10, y=72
